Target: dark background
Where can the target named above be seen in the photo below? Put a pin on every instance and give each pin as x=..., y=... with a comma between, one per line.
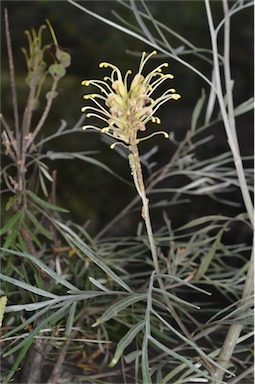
x=89, y=192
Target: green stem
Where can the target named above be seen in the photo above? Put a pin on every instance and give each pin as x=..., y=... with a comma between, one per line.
x=139, y=183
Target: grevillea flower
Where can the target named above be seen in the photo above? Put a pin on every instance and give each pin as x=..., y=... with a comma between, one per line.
x=124, y=108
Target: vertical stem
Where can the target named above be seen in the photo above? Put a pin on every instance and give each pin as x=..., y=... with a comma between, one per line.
x=234, y=331
x=146, y=216
x=228, y=117
x=12, y=75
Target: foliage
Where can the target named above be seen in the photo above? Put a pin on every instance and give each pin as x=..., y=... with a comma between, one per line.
x=169, y=305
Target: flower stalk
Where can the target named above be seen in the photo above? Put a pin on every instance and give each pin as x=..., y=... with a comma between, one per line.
x=126, y=110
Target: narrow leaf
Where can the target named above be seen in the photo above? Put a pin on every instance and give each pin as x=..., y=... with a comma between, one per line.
x=45, y=204
x=207, y=258
x=10, y=223
x=84, y=248
x=70, y=320
x=27, y=287
x=39, y=226
x=98, y=285
x=30, y=307
x=246, y=106
x=179, y=357
x=53, y=317
x=119, y=306
x=45, y=268
x=197, y=111
x=175, y=298
x=133, y=356
x=12, y=201
x=125, y=341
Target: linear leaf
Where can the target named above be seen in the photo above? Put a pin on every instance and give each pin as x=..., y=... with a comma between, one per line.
x=11, y=222
x=246, y=106
x=175, y=298
x=132, y=356
x=39, y=226
x=98, y=285
x=84, y=248
x=189, y=342
x=53, y=317
x=125, y=341
x=10, y=202
x=27, y=287
x=176, y=356
x=45, y=268
x=203, y=220
x=31, y=319
x=30, y=307
x=12, y=236
x=45, y=204
x=197, y=111
x=207, y=258
x=119, y=306
x=17, y=361
x=70, y=320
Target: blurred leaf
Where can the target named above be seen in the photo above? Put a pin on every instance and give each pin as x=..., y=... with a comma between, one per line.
x=207, y=258
x=119, y=306
x=12, y=236
x=98, y=285
x=70, y=320
x=84, y=248
x=39, y=226
x=27, y=287
x=197, y=111
x=11, y=222
x=246, y=106
x=125, y=341
x=44, y=267
x=53, y=317
x=133, y=356
x=12, y=201
x=44, y=204
x=174, y=297
x=179, y=357
x=32, y=306
x=18, y=359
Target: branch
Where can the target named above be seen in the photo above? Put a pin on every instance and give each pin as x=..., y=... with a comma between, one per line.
x=12, y=75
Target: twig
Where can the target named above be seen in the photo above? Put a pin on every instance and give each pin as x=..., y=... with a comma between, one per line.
x=13, y=141
x=45, y=113
x=237, y=380
x=12, y=75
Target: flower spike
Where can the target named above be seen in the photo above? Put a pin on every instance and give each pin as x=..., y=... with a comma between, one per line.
x=128, y=108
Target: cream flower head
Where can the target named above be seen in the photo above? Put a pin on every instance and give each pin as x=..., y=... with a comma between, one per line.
x=126, y=109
